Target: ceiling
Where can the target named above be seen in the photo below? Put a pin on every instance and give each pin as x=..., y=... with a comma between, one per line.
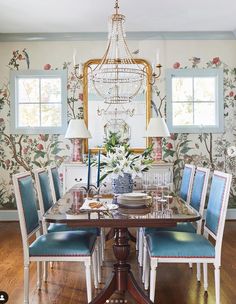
x=61, y=16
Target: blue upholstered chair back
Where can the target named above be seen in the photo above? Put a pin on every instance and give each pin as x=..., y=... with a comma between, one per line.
x=197, y=189
x=56, y=183
x=28, y=199
x=186, y=182
x=46, y=191
x=215, y=202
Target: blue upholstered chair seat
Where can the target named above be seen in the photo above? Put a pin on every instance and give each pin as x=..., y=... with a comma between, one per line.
x=73, y=243
x=179, y=244
x=55, y=227
x=181, y=227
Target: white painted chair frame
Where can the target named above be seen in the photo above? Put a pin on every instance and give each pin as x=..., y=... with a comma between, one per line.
x=192, y=168
x=102, y=236
x=201, y=210
x=216, y=261
x=44, y=225
x=140, y=233
x=49, y=169
x=87, y=260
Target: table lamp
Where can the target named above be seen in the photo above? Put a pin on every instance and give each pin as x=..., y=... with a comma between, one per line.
x=157, y=129
x=77, y=131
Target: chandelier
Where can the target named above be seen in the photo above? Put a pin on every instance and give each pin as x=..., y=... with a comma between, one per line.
x=117, y=78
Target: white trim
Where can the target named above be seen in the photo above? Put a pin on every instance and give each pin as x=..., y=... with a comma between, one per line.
x=40, y=74
x=218, y=75
x=12, y=215
x=102, y=36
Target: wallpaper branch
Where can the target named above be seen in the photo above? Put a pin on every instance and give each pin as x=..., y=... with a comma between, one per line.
x=24, y=152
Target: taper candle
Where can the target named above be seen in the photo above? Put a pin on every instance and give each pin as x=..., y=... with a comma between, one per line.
x=89, y=169
x=98, y=173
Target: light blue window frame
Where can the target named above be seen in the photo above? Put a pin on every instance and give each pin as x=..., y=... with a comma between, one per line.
x=14, y=76
x=219, y=102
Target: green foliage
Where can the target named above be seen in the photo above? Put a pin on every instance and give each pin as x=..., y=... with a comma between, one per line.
x=114, y=140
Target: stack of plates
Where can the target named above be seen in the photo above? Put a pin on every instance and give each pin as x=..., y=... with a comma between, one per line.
x=133, y=200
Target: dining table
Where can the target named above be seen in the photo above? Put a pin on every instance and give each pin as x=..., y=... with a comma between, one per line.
x=118, y=217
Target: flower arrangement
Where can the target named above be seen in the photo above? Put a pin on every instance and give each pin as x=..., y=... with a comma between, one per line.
x=120, y=160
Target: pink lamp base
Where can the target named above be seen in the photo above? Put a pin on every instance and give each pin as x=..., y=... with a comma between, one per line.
x=77, y=151
x=157, y=149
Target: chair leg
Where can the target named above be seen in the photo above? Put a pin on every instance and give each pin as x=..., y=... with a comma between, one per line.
x=198, y=272
x=217, y=284
x=103, y=235
x=190, y=265
x=152, y=281
x=95, y=268
x=140, y=252
x=45, y=271
x=205, y=277
x=88, y=280
x=98, y=257
x=146, y=271
x=137, y=239
x=39, y=275
x=144, y=261
x=102, y=245
x=26, y=284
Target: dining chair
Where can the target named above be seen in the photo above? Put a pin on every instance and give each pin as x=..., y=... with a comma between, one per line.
x=73, y=246
x=186, y=183
x=55, y=183
x=45, y=203
x=184, y=193
x=183, y=247
x=197, y=202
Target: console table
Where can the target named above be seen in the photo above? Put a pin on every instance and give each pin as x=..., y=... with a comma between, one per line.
x=74, y=173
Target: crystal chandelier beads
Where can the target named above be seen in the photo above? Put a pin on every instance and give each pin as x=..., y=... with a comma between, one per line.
x=117, y=78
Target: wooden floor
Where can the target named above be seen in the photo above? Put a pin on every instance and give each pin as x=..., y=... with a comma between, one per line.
x=66, y=283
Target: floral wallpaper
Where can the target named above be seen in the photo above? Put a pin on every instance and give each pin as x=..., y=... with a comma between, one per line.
x=24, y=152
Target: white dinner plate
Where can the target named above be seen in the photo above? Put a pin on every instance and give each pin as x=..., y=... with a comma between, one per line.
x=133, y=195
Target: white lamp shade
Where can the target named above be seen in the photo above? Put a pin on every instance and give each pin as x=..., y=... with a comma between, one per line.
x=157, y=128
x=77, y=129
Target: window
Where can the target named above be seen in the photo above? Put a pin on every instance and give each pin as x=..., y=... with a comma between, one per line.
x=38, y=102
x=195, y=102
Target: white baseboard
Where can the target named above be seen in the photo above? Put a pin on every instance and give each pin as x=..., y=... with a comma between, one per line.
x=12, y=215
x=9, y=215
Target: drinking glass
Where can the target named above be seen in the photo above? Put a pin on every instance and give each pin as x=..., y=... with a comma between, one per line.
x=145, y=181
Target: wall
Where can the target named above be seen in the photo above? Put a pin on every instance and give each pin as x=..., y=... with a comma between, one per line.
x=19, y=153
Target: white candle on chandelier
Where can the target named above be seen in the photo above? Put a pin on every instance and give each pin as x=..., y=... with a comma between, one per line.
x=74, y=57
x=153, y=67
x=157, y=57
x=80, y=68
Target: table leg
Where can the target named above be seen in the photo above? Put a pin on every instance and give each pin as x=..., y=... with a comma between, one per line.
x=111, y=234
x=122, y=279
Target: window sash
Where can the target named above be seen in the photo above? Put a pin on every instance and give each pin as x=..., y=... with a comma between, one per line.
x=15, y=76
x=218, y=127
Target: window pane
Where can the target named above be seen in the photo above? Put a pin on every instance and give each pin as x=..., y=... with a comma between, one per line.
x=182, y=114
x=182, y=89
x=28, y=115
x=51, y=115
x=28, y=90
x=204, y=89
x=204, y=114
x=51, y=90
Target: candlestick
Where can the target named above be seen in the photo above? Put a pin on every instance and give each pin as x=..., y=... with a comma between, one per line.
x=89, y=169
x=157, y=57
x=74, y=57
x=98, y=174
